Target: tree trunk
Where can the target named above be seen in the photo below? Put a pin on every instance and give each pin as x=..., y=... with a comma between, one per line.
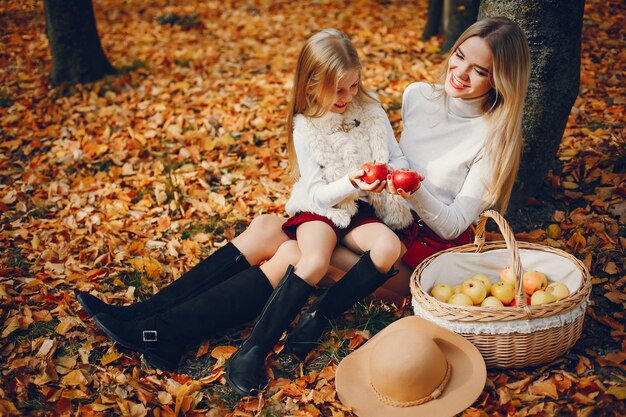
x=553, y=29
x=460, y=15
x=77, y=55
x=434, y=22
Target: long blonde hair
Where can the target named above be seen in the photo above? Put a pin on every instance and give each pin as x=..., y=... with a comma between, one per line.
x=325, y=57
x=505, y=101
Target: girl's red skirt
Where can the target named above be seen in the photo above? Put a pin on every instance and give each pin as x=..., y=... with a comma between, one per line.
x=365, y=214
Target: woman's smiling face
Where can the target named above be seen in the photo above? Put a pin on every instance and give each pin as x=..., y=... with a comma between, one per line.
x=469, y=69
x=347, y=88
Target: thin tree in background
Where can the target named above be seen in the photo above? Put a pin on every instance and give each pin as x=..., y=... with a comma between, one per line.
x=77, y=55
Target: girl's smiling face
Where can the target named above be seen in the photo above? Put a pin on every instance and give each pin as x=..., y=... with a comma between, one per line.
x=347, y=88
x=469, y=69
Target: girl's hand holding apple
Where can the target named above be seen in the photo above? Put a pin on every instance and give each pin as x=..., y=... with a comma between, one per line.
x=357, y=178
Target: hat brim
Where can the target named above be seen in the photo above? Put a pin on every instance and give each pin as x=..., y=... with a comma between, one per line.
x=467, y=380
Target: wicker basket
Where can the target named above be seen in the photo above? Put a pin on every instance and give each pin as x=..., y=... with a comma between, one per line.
x=507, y=336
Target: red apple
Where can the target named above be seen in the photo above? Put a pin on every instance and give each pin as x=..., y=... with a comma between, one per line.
x=374, y=171
x=406, y=179
x=514, y=302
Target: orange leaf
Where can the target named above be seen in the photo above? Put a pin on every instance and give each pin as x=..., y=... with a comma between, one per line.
x=223, y=352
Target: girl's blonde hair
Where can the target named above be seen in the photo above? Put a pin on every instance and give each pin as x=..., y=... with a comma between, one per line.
x=325, y=57
x=504, y=105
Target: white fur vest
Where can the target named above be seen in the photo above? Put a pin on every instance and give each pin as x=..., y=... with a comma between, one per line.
x=341, y=143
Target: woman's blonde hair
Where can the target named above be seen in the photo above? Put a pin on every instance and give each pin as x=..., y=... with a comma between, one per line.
x=325, y=57
x=504, y=105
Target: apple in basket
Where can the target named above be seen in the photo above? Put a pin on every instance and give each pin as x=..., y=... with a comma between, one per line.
x=507, y=275
x=541, y=297
x=475, y=290
x=406, y=179
x=534, y=281
x=441, y=292
x=460, y=299
x=514, y=302
x=484, y=278
x=558, y=289
x=503, y=292
x=374, y=171
x=491, y=301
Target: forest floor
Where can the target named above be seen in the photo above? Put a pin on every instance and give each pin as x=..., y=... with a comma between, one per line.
x=119, y=186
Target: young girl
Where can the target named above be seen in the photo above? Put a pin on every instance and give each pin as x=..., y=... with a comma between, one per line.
x=336, y=128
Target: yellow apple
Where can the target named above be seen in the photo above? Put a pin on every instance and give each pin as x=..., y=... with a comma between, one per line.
x=508, y=275
x=460, y=299
x=456, y=289
x=491, y=301
x=441, y=292
x=475, y=290
x=503, y=291
x=541, y=297
x=534, y=281
x=484, y=278
x=558, y=289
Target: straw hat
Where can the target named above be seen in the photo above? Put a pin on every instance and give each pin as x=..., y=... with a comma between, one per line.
x=411, y=368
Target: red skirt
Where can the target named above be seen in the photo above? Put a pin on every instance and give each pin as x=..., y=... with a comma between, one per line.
x=421, y=241
x=365, y=214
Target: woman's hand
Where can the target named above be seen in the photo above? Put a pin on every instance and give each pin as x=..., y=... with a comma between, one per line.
x=391, y=188
x=375, y=187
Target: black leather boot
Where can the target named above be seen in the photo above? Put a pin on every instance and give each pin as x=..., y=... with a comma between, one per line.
x=219, y=266
x=162, y=337
x=361, y=280
x=243, y=369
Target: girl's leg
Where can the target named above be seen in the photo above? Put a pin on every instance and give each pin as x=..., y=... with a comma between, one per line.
x=382, y=247
x=383, y=244
x=316, y=241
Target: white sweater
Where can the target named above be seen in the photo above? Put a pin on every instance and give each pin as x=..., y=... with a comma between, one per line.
x=333, y=145
x=447, y=148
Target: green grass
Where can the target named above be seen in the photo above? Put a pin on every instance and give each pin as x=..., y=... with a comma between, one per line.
x=35, y=330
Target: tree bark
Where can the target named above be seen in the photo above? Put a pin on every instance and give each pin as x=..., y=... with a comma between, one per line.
x=77, y=55
x=553, y=29
x=450, y=17
x=434, y=22
x=460, y=15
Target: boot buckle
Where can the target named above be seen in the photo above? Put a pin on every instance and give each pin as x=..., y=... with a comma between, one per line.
x=149, y=335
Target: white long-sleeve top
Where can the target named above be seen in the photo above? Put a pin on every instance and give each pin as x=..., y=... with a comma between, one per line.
x=324, y=194
x=447, y=148
x=330, y=147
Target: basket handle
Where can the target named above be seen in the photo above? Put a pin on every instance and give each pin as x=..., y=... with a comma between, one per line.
x=511, y=244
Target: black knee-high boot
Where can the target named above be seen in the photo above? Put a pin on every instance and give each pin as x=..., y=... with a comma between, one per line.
x=219, y=266
x=362, y=279
x=243, y=369
x=163, y=336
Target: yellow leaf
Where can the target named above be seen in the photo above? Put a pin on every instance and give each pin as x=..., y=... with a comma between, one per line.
x=74, y=378
x=569, y=185
x=111, y=356
x=66, y=324
x=618, y=391
x=151, y=267
x=11, y=325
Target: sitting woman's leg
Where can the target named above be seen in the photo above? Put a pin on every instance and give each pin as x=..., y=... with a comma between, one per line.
x=257, y=243
x=316, y=241
x=162, y=336
x=381, y=248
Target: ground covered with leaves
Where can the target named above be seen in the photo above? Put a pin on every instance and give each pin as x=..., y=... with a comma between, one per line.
x=119, y=186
